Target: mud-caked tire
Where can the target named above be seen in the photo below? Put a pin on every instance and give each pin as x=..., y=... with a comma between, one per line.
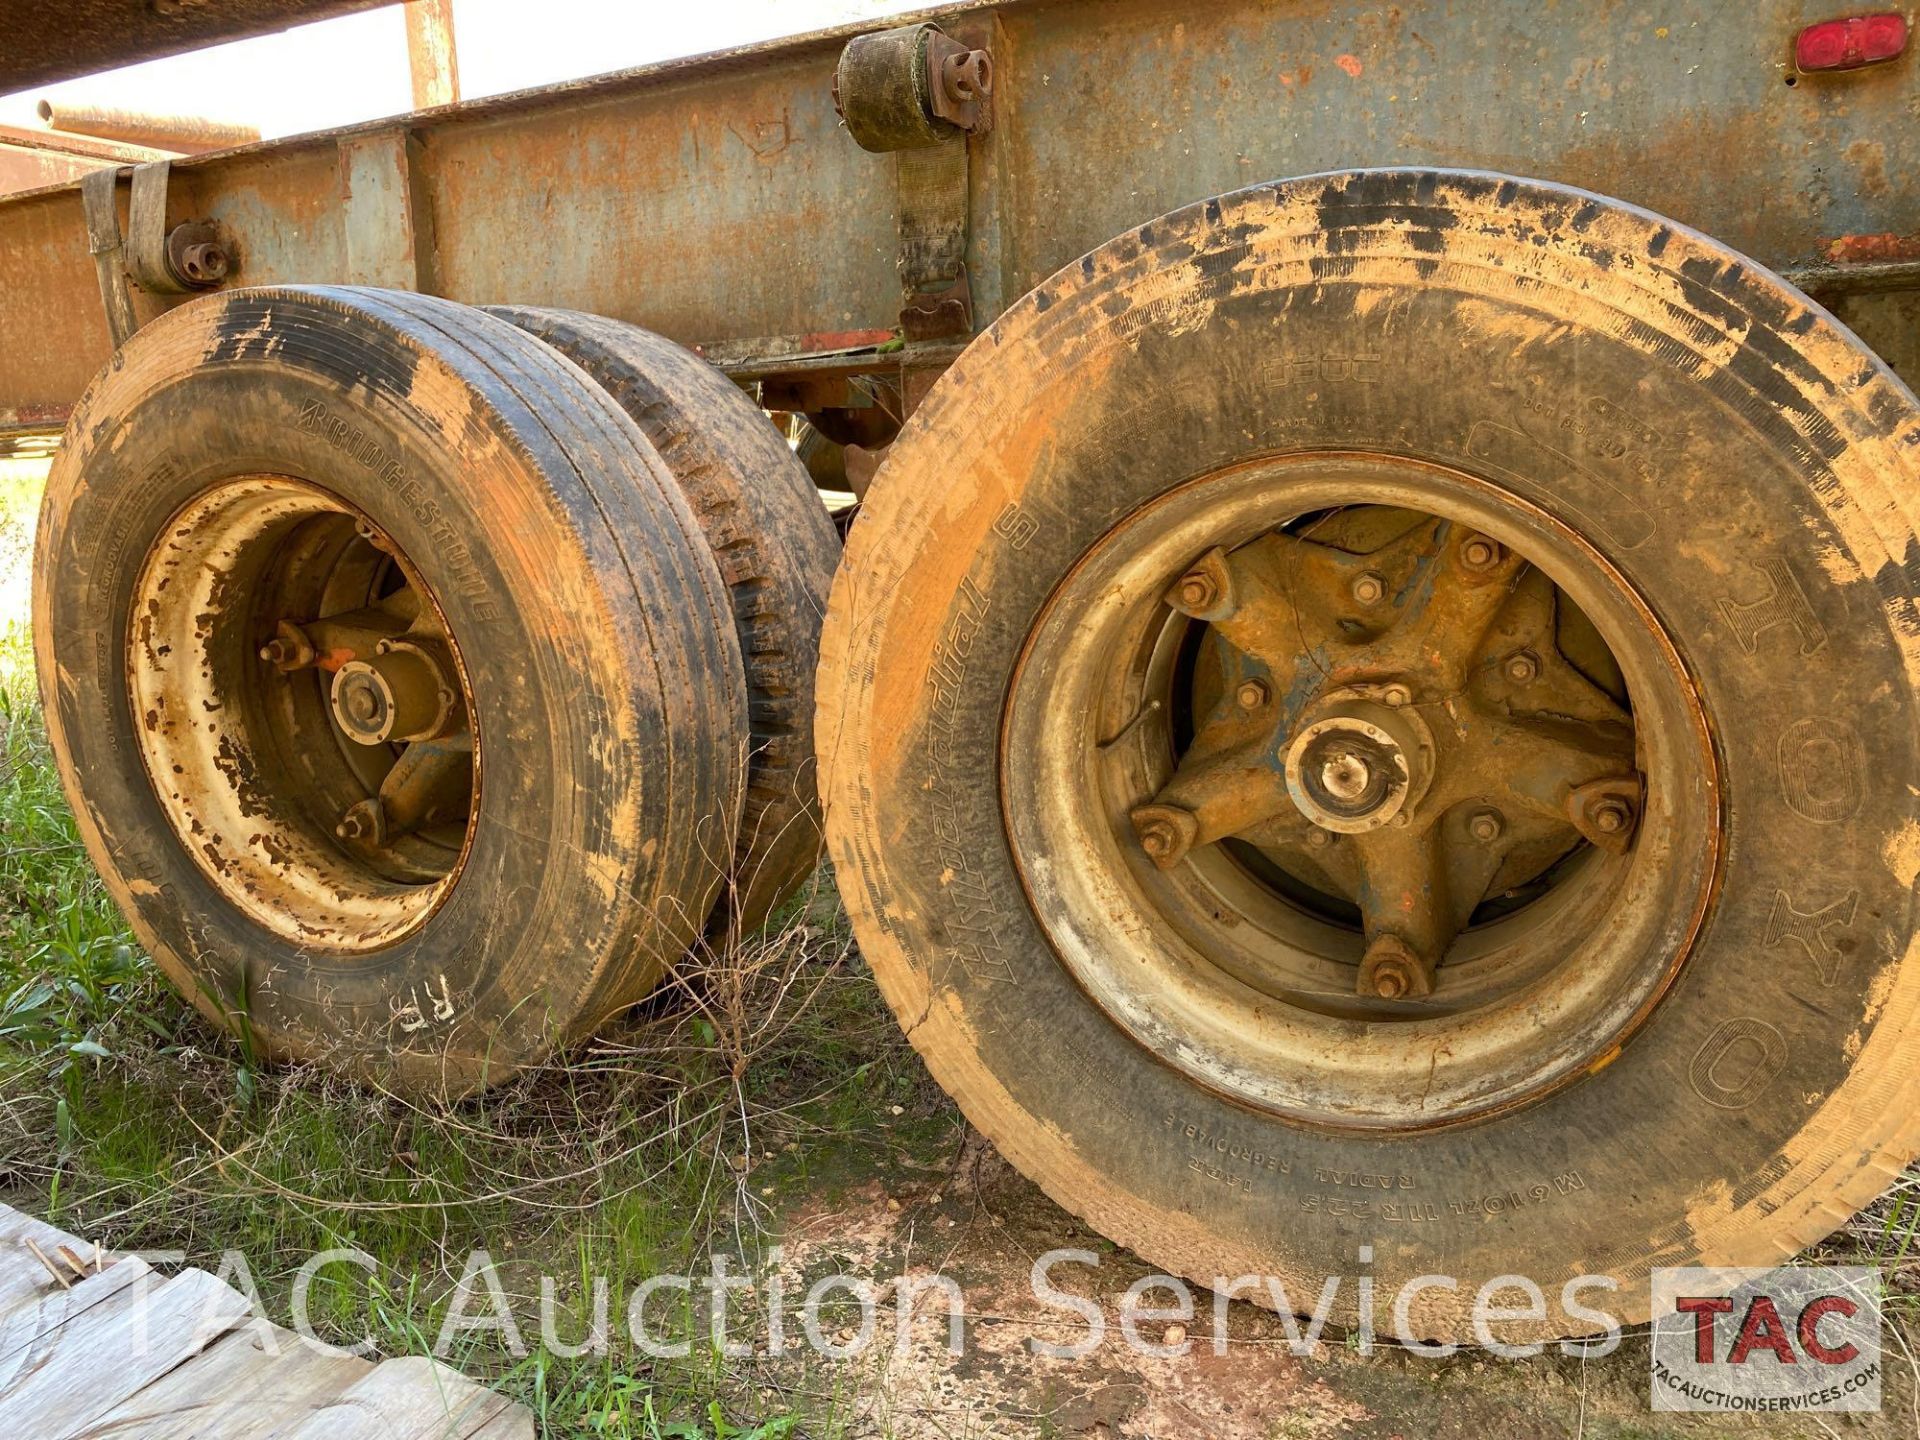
x=291, y=442
x=1728, y=458
x=776, y=548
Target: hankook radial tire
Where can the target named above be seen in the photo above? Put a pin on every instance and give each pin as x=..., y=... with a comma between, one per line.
x=1381, y=710
x=391, y=679
x=776, y=548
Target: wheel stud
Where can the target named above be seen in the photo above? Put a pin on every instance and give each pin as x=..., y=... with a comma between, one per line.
x=1197, y=591
x=1206, y=591
x=1369, y=589
x=289, y=649
x=1523, y=668
x=1319, y=839
x=1393, y=972
x=1606, y=812
x=1253, y=694
x=365, y=821
x=1486, y=826
x=1166, y=833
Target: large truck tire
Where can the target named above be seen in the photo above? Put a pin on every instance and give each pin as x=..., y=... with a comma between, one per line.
x=1369, y=727
x=776, y=549
x=391, y=680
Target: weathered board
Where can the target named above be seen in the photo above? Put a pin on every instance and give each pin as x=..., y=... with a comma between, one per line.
x=98, y=1344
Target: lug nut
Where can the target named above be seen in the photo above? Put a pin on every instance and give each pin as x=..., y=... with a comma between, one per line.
x=1165, y=832
x=1523, y=668
x=1369, y=589
x=1610, y=817
x=1486, y=826
x=1479, y=553
x=289, y=649
x=1396, y=695
x=1392, y=971
x=1319, y=839
x=363, y=821
x=1197, y=591
x=1253, y=694
x=1607, y=811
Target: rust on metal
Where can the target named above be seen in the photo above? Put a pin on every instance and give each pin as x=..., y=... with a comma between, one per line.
x=1444, y=734
x=731, y=185
x=33, y=159
x=433, y=63
x=181, y=134
x=59, y=39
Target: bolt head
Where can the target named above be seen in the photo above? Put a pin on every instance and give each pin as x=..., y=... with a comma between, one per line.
x=1197, y=591
x=1389, y=981
x=1479, y=553
x=1486, y=826
x=1369, y=589
x=1397, y=695
x=1610, y=817
x=1319, y=839
x=1523, y=668
x=1253, y=694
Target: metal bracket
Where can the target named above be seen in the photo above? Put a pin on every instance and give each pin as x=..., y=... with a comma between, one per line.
x=910, y=87
x=937, y=301
x=160, y=261
x=919, y=93
x=100, y=204
x=179, y=261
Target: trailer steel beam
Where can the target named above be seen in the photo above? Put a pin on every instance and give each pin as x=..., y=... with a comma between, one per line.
x=718, y=200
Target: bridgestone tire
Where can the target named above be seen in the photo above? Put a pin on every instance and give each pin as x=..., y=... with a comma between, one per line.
x=776, y=548
x=607, y=684
x=1749, y=468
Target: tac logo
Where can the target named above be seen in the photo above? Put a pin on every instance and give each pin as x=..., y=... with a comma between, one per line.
x=1767, y=1341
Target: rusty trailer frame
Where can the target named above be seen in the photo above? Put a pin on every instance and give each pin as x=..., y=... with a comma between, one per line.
x=719, y=200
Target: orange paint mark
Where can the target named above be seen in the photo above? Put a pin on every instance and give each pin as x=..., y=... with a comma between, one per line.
x=1348, y=64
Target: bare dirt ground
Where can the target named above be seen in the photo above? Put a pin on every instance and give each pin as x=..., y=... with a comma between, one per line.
x=984, y=1225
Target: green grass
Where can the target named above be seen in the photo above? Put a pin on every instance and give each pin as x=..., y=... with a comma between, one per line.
x=125, y=1118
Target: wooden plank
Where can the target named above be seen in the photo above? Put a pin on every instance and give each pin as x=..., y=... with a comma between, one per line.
x=29, y=1324
x=22, y=1277
x=110, y=1352
x=410, y=1398
x=235, y=1390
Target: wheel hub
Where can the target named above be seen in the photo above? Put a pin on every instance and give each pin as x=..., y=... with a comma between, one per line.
x=1442, y=738
x=1400, y=955
x=1360, y=765
x=310, y=713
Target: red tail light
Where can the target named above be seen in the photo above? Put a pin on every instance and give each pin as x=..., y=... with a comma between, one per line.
x=1849, y=44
